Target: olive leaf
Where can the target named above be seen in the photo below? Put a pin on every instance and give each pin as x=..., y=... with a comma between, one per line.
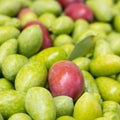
x=82, y=48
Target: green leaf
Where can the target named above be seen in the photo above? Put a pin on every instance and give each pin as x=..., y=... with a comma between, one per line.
x=82, y=48
x=1, y=118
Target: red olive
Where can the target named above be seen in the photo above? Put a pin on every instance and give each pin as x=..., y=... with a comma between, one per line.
x=79, y=11
x=65, y=78
x=65, y=3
